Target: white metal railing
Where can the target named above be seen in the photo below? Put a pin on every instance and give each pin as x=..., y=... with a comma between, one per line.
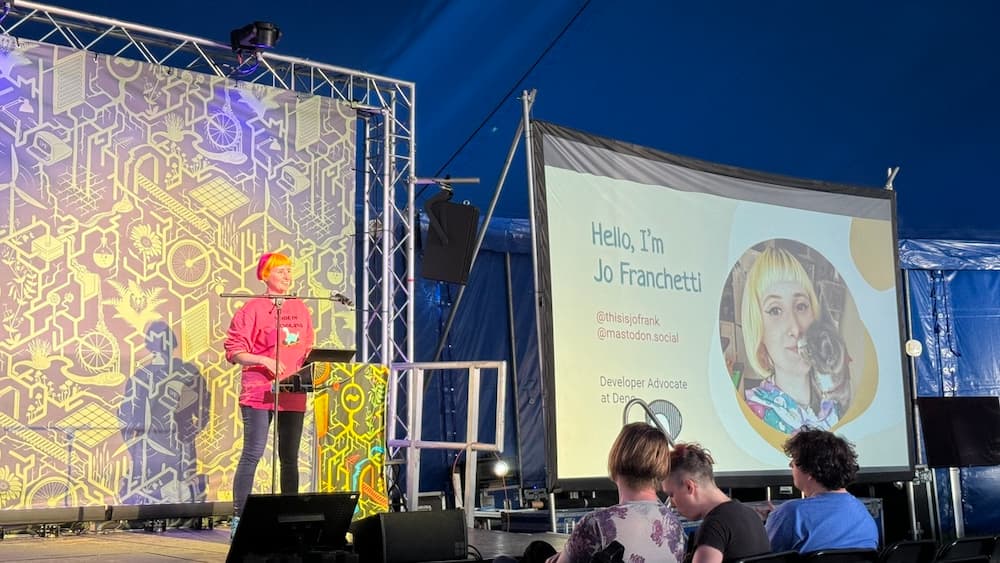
x=411, y=378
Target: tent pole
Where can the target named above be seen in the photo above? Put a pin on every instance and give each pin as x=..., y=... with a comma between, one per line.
x=513, y=371
x=479, y=239
x=921, y=473
x=912, y=352
x=528, y=100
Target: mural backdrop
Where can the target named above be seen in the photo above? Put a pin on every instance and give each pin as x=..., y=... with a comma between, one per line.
x=131, y=196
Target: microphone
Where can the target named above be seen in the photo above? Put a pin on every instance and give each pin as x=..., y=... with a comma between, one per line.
x=342, y=299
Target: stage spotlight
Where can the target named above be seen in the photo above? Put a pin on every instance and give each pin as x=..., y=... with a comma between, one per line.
x=254, y=36
x=501, y=468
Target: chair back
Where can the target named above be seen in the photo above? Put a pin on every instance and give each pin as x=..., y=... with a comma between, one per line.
x=909, y=551
x=962, y=548
x=614, y=553
x=778, y=557
x=841, y=556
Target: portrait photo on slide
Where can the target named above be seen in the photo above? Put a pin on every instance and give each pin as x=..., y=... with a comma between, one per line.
x=796, y=349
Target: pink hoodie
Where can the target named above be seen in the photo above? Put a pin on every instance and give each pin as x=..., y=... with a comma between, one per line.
x=254, y=330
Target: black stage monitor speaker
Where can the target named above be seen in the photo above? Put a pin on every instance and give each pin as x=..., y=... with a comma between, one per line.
x=292, y=526
x=411, y=537
x=450, y=242
x=960, y=431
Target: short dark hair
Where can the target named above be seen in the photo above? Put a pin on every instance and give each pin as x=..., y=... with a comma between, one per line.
x=640, y=456
x=824, y=456
x=691, y=461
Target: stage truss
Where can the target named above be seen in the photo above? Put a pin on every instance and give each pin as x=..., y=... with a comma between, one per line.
x=385, y=107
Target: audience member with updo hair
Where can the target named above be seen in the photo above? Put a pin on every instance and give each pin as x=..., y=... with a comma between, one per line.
x=829, y=517
x=639, y=527
x=648, y=530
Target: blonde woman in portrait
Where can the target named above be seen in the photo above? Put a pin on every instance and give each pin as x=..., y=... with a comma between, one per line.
x=779, y=306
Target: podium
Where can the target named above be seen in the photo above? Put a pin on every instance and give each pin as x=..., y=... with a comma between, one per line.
x=348, y=401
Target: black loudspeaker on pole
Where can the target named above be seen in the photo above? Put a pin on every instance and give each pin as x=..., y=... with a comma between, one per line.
x=451, y=239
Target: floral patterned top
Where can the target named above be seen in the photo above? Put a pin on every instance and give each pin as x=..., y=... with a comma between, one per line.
x=649, y=531
x=783, y=413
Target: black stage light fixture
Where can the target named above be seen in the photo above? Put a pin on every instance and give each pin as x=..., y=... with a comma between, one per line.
x=254, y=36
x=5, y=7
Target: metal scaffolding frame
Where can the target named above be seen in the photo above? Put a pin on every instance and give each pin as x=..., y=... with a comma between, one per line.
x=385, y=108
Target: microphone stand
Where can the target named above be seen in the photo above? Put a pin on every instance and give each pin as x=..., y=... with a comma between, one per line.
x=652, y=416
x=279, y=300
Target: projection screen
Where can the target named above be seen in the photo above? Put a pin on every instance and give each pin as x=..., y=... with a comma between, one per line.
x=739, y=306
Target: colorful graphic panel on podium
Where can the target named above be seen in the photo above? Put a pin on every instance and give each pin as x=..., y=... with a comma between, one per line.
x=351, y=436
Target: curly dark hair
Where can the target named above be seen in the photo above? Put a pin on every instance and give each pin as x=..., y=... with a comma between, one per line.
x=826, y=457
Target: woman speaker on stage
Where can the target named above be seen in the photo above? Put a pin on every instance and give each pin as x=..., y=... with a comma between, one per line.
x=269, y=337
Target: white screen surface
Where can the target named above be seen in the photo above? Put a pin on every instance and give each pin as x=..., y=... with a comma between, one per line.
x=649, y=264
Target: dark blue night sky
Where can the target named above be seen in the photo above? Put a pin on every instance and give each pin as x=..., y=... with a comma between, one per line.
x=834, y=91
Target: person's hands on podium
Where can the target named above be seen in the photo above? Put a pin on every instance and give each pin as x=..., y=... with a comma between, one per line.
x=272, y=366
x=277, y=368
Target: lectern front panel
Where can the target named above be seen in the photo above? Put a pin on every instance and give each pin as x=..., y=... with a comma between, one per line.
x=349, y=403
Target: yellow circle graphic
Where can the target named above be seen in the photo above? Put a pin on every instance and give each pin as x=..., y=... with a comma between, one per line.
x=352, y=397
x=875, y=262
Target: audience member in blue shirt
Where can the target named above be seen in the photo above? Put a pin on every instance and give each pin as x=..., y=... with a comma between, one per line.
x=829, y=517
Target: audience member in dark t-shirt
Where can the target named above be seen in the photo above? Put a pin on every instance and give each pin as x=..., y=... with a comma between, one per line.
x=729, y=530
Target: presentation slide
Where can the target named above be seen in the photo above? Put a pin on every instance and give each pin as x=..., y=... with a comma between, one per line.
x=739, y=306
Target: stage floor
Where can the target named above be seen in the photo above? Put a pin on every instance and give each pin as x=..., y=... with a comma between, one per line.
x=175, y=545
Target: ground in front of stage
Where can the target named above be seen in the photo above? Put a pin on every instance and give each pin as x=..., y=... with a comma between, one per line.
x=119, y=546
x=178, y=544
